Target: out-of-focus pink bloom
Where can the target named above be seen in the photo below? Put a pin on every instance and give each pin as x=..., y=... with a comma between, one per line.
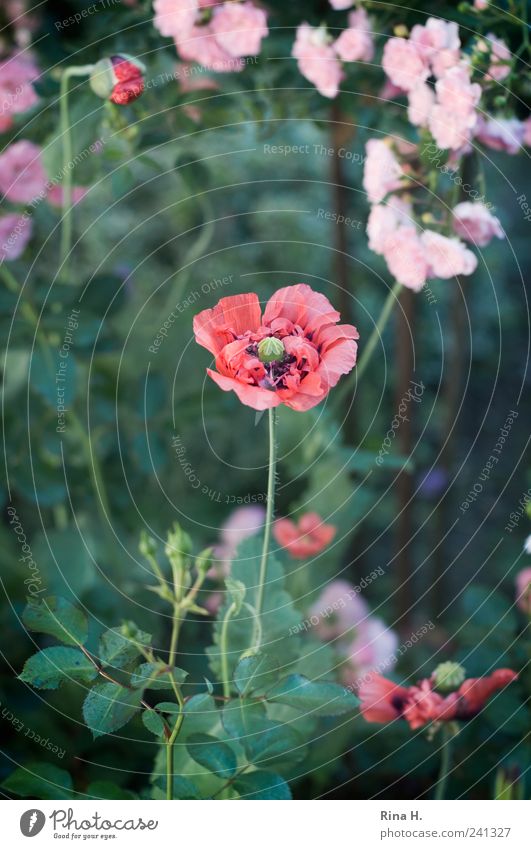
x=175, y=18
x=420, y=103
x=55, y=195
x=190, y=80
x=450, y=130
x=201, y=45
x=500, y=57
x=382, y=700
x=475, y=223
x=341, y=4
x=405, y=256
x=527, y=132
x=447, y=257
x=339, y=609
x=15, y=233
x=454, y=116
x=438, y=43
x=481, y=5
x=17, y=94
x=389, y=91
x=239, y=28
x=317, y=60
x=523, y=590
x=384, y=219
x=22, y=176
x=506, y=134
x=382, y=171
x=355, y=43
x=243, y=523
x=373, y=648
x=404, y=64
x=213, y=602
x=293, y=354
x=306, y=538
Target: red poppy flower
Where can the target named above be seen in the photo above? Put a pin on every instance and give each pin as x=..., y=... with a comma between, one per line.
x=293, y=354
x=308, y=537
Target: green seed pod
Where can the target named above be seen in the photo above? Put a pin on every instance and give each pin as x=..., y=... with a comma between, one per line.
x=270, y=350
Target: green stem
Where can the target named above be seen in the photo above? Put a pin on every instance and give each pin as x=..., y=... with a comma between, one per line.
x=174, y=634
x=94, y=470
x=446, y=757
x=171, y=741
x=368, y=350
x=66, y=137
x=269, y=515
x=224, y=650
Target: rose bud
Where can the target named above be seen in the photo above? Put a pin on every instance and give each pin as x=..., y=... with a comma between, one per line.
x=119, y=79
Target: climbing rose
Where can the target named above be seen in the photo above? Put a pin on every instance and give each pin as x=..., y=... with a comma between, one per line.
x=475, y=223
x=22, y=176
x=506, y=134
x=317, y=60
x=175, y=18
x=382, y=171
x=406, y=258
x=15, y=233
x=355, y=43
x=239, y=28
x=304, y=538
x=438, y=43
x=384, y=220
x=314, y=351
x=421, y=100
x=447, y=257
x=523, y=590
x=500, y=57
x=404, y=64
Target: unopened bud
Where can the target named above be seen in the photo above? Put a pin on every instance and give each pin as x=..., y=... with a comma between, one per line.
x=270, y=349
x=118, y=78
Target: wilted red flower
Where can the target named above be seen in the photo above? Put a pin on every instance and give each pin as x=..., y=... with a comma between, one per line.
x=293, y=354
x=383, y=700
x=119, y=79
x=303, y=539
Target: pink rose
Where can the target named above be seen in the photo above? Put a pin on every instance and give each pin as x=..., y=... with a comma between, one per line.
x=239, y=28
x=338, y=610
x=22, y=177
x=355, y=43
x=505, y=134
x=456, y=93
x=475, y=223
x=405, y=256
x=450, y=130
x=317, y=60
x=15, y=233
x=447, y=257
x=523, y=590
x=403, y=63
x=438, y=43
x=384, y=220
x=500, y=57
x=175, y=18
x=382, y=171
x=202, y=46
x=421, y=100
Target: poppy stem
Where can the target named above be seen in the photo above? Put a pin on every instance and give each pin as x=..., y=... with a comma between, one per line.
x=446, y=760
x=66, y=139
x=269, y=514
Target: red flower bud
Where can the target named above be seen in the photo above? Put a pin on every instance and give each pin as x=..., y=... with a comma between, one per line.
x=119, y=79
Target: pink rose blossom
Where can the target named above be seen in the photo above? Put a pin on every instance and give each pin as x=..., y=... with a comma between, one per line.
x=355, y=43
x=317, y=60
x=201, y=46
x=22, y=177
x=373, y=648
x=500, y=57
x=405, y=256
x=450, y=130
x=16, y=91
x=382, y=170
x=447, y=257
x=438, y=43
x=506, y=134
x=339, y=609
x=523, y=590
x=175, y=18
x=421, y=100
x=239, y=28
x=15, y=233
x=475, y=223
x=403, y=63
x=456, y=93
x=384, y=219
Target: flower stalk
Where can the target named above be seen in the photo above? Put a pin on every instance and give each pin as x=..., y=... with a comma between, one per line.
x=269, y=514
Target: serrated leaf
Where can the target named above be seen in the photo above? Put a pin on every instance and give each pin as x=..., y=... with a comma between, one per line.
x=212, y=754
x=319, y=697
x=156, y=676
x=255, y=672
x=262, y=785
x=119, y=646
x=58, y=618
x=262, y=738
x=109, y=706
x=40, y=781
x=50, y=667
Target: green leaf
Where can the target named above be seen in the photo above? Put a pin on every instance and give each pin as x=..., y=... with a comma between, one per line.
x=155, y=676
x=153, y=722
x=255, y=672
x=263, y=739
x=183, y=788
x=236, y=590
x=212, y=754
x=52, y=666
x=40, y=781
x=120, y=646
x=109, y=706
x=58, y=618
x=108, y=790
x=262, y=785
x=319, y=697
x=168, y=707
x=50, y=374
